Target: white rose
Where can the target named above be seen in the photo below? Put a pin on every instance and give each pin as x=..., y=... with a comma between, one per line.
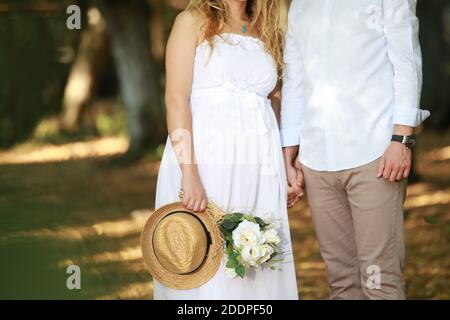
x=271, y=236
x=265, y=252
x=247, y=234
x=250, y=255
x=231, y=273
x=267, y=219
x=273, y=224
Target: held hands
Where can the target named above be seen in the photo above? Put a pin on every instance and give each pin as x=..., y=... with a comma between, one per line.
x=395, y=164
x=294, y=174
x=194, y=194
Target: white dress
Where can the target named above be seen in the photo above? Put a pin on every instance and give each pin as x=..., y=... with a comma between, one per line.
x=238, y=151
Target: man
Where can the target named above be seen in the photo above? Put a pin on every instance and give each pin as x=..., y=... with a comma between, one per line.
x=350, y=102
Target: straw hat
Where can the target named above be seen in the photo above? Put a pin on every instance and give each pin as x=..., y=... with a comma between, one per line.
x=182, y=249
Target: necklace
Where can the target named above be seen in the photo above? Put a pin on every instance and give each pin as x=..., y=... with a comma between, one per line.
x=244, y=28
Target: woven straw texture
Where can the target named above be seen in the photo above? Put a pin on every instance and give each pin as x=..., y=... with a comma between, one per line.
x=194, y=256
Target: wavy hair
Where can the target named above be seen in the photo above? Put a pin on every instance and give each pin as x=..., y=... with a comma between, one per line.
x=267, y=17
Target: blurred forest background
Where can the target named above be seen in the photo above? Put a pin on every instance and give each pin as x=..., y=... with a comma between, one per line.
x=81, y=133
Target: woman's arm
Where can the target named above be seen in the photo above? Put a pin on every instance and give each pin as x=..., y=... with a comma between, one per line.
x=275, y=98
x=180, y=56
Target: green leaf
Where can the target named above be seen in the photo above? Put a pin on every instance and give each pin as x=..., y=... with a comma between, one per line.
x=234, y=256
x=236, y=217
x=229, y=238
x=229, y=225
x=274, y=255
x=222, y=229
x=231, y=263
x=250, y=218
x=240, y=270
x=261, y=222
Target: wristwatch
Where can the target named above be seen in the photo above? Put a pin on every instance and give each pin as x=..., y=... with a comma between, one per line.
x=408, y=141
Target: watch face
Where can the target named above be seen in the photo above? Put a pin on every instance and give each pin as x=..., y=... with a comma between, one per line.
x=410, y=142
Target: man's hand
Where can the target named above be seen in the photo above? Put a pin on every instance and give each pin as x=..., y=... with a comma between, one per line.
x=395, y=164
x=295, y=184
x=294, y=174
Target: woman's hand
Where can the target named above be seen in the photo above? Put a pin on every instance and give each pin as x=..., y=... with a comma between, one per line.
x=294, y=174
x=194, y=194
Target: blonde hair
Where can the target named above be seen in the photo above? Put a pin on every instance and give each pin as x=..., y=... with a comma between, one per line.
x=267, y=17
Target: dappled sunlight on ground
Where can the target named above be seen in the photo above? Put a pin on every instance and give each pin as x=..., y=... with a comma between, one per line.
x=119, y=228
x=63, y=205
x=131, y=291
x=428, y=199
x=127, y=254
x=102, y=147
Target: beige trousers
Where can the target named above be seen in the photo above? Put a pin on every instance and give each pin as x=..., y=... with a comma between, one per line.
x=359, y=224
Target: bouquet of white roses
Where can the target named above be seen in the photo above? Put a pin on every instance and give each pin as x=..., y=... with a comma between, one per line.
x=249, y=242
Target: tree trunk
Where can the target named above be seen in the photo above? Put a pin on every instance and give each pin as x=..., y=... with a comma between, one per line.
x=84, y=74
x=128, y=29
x=436, y=53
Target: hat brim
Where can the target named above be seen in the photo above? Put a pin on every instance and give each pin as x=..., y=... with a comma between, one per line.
x=208, y=267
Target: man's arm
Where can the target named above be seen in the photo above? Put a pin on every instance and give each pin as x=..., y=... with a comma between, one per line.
x=401, y=29
x=291, y=113
x=292, y=92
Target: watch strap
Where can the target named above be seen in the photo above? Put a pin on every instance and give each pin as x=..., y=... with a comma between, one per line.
x=409, y=141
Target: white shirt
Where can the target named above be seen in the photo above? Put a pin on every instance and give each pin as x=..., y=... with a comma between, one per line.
x=353, y=70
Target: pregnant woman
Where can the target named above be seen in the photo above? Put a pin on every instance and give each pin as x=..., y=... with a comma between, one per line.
x=223, y=63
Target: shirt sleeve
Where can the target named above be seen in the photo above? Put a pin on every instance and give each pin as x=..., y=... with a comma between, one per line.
x=401, y=29
x=292, y=102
